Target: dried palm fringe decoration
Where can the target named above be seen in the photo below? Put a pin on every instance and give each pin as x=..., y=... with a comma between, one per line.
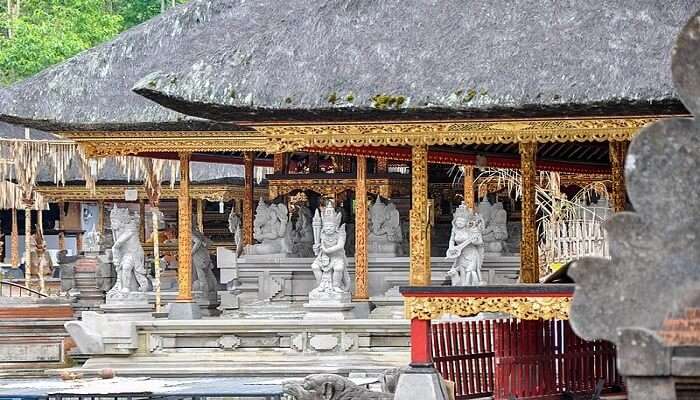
x=568, y=228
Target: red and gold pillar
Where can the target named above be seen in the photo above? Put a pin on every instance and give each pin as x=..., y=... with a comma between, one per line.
x=184, y=258
x=279, y=164
x=361, y=263
x=420, y=274
x=248, y=165
x=529, y=269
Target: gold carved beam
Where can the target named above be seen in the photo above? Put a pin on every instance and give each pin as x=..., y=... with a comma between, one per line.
x=545, y=308
x=296, y=137
x=122, y=143
x=213, y=193
x=335, y=186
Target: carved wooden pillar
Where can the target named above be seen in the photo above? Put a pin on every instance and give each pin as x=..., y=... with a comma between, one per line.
x=101, y=217
x=420, y=218
x=361, y=292
x=382, y=165
x=200, y=215
x=279, y=164
x=40, y=221
x=27, y=248
x=184, y=254
x=618, y=152
x=469, y=187
x=248, y=163
x=14, y=240
x=529, y=269
x=142, y=220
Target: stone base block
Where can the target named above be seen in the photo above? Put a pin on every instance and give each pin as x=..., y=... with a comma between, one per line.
x=184, y=310
x=420, y=383
x=328, y=311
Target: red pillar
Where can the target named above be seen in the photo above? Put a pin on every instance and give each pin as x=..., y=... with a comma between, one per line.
x=421, y=353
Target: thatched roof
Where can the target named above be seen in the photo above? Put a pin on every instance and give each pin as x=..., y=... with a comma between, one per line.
x=235, y=60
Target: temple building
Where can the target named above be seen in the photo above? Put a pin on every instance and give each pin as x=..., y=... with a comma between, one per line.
x=392, y=120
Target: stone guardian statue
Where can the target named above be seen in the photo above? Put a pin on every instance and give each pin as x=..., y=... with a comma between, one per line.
x=127, y=256
x=466, y=248
x=330, y=265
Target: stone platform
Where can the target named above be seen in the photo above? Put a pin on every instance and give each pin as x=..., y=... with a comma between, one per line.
x=280, y=279
x=273, y=348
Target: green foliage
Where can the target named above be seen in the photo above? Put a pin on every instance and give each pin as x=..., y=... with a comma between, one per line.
x=50, y=31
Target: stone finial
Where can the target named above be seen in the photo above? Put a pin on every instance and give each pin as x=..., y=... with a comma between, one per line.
x=655, y=265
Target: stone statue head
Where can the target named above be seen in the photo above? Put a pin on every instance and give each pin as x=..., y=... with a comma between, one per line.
x=330, y=219
x=461, y=217
x=119, y=218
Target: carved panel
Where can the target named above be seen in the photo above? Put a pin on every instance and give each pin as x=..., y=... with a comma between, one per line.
x=546, y=308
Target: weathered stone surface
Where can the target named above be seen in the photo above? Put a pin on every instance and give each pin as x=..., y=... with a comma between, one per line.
x=331, y=387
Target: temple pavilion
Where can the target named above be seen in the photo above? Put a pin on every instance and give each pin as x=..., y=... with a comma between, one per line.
x=350, y=100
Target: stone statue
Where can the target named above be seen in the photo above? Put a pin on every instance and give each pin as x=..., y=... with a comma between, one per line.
x=234, y=226
x=330, y=265
x=203, y=277
x=40, y=258
x=385, y=236
x=92, y=242
x=127, y=256
x=331, y=387
x=302, y=236
x=466, y=248
x=270, y=229
x=495, y=226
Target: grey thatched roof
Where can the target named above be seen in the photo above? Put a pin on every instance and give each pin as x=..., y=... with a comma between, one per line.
x=10, y=131
x=236, y=60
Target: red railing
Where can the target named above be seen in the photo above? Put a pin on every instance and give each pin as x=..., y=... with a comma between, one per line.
x=522, y=359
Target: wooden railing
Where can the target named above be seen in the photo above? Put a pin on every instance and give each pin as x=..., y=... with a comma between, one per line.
x=521, y=359
x=11, y=289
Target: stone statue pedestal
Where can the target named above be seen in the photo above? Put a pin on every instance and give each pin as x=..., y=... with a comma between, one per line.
x=133, y=307
x=335, y=306
x=184, y=310
x=383, y=248
x=388, y=306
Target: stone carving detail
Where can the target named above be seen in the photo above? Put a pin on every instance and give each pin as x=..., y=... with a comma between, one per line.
x=330, y=265
x=645, y=297
x=385, y=237
x=298, y=342
x=203, y=277
x=348, y=342
x=270, y=230
x=331, y=387
x=127, y=255
x=229, y=342
x=302, y=236
x=155, y=343
x=323, y=342
x=466, y=248
x=495, y=226
x=40, y=259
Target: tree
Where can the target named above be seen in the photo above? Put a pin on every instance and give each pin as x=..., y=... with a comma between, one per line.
x=45, y=32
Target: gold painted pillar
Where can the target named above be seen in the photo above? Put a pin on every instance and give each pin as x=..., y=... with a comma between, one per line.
x=184, y=254
x=361, y=292
x=27, y=248
x=200, y=215
x=142, y=220
x=14, y=240
x=248, y=164
x=618, y=196
x=101, y=217
x=61, y=226
x=529, y=269
x=420, y=218
x=469, y=187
